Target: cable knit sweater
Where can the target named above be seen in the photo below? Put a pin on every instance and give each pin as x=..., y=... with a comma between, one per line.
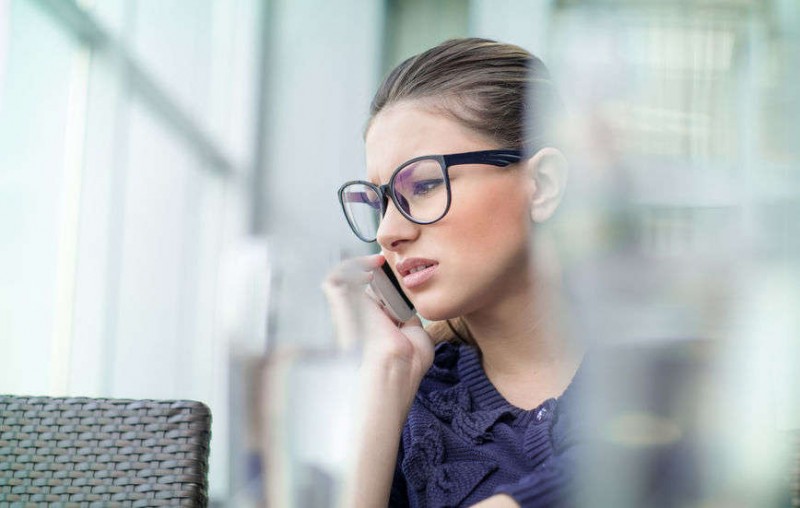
x=463, y=442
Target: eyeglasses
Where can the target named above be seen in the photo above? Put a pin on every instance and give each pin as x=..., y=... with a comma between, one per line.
x=419, y=189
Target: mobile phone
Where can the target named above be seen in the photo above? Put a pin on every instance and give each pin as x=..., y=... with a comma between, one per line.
x=386, y=287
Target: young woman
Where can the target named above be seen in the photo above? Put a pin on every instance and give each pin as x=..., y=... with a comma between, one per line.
x=461, y=168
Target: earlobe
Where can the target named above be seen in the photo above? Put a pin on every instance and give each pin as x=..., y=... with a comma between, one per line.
x=548, y=169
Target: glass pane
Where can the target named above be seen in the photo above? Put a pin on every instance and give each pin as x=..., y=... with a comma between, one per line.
x=174, y=41
x=34, y=109
x=155, y=237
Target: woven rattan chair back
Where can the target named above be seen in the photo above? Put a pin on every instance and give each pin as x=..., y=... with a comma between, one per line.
x=103, y=452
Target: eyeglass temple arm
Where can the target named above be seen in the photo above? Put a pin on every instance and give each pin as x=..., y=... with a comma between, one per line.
x=500, y=158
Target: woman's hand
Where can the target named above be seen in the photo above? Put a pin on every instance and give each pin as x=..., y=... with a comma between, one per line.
x=404, y=349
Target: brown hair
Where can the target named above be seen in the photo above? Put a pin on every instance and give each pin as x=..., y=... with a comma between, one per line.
x=499, y=90
x=488, y=86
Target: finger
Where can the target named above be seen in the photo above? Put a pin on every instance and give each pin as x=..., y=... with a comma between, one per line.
x=344, y=283
x=355, y=271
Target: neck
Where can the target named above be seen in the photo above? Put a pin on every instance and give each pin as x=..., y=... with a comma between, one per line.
x=524, y=349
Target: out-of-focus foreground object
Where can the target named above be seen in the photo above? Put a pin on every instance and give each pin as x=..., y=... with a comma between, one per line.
x=680, y=245
x=112, y=452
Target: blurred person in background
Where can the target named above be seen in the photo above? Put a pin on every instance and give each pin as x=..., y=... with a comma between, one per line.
x=462, y=170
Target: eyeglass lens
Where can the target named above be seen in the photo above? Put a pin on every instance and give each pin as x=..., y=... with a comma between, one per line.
x=362, y=205
x=420, y=190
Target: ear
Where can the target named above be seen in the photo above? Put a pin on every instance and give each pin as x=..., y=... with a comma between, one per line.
x=548, y=170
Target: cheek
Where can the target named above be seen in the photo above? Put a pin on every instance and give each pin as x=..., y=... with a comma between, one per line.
x=494, y=216
x=487, y=239
x=484, y=255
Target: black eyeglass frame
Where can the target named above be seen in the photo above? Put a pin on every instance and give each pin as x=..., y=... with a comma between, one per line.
x=499, y=158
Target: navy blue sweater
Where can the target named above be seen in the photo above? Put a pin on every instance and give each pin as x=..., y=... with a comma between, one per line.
x=463, y=442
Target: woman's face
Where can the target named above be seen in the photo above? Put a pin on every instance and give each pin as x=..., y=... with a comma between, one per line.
x=478, y=253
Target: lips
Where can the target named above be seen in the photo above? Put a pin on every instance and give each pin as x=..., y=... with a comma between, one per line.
x=416, y=271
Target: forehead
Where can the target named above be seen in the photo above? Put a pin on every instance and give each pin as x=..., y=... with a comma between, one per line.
x=410, y=129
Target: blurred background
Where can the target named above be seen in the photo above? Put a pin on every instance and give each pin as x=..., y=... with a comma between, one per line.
x=168, y=177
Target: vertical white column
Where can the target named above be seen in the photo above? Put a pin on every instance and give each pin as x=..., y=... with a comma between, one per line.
x=74, y=144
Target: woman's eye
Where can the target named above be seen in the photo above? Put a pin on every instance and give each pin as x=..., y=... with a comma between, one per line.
x=425, y=186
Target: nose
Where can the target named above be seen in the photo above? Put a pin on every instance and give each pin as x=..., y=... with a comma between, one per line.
x=394, y=229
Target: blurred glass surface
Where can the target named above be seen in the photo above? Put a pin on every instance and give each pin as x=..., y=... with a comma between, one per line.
x=167, y=208
x=679, y=246
x=35, y=110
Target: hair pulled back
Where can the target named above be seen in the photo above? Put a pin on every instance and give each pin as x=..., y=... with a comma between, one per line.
x=499, y=90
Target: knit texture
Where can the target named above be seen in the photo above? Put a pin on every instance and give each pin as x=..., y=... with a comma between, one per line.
x=463, y=442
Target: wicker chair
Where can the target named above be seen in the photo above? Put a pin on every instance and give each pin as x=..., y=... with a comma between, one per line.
x=103, y=452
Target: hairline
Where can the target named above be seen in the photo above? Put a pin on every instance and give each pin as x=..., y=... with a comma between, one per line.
x=441, y=104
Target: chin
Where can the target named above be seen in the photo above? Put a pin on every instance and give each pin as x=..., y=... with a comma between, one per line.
x=434, y=316
x=435, y=309
x=442, y=305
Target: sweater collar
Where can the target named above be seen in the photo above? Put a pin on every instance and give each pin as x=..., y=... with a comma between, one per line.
x=486, y=397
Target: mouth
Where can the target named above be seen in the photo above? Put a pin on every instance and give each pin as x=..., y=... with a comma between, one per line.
x=416, y=271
